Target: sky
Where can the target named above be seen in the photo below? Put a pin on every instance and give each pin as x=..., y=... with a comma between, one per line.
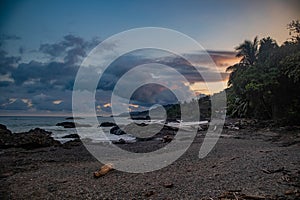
x=42, y=44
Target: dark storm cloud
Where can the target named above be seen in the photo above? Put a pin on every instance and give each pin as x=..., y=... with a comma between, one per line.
x=150, y=94
x=52, y=49
x=47, y=75
x=48, y=86
x=191, y=71
x=45, y=85
x=71, y=48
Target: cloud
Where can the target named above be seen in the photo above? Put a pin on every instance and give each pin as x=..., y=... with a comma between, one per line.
x=221, y=59
x=47, y=85
x=5, y=37
x=8, y=63
x=56, y=102
x=151, y=94
x=71, y=49
x=16, y=104
x=107, y=105
x=224, y=58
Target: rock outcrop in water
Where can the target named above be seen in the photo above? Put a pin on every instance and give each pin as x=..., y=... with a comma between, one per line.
x=107, y=124
x=116, y=131
x=32, y=139
x=72, y=125
x=74, y=135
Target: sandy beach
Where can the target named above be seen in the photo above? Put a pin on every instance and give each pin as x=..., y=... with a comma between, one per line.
x=250, y=163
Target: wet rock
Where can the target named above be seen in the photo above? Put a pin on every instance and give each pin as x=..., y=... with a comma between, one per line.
x=71, y=136
x=35, y=138
x=204, y=127
x=120, y=141
x=73, y=143
x=142, y=124
x=72, y=125
x=232, y=126
x=170, y=128
x=66, y=124
x=5, y=136
x=68, y=118
x=167, y=139
x=107, y=124
x=173, y=120
x=116, y=131
x=140, y=139
x=3, y=127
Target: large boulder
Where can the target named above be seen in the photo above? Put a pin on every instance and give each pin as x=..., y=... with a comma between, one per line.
x=72, y=143
x=34, y=138
x=5, y=135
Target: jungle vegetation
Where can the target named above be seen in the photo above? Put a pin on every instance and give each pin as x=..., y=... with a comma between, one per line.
x=265, y=84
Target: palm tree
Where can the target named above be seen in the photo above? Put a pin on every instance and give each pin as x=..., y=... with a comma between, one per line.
x=233, y=71
x=248, y=51
x=267, y=44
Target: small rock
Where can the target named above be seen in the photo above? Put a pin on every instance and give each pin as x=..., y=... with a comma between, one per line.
x=289, y=192
x=149, y=193
x=66, y=124
x=173, y=120
x=120, y=141
x=168, y=185
x=167, y=139
x=142, y=124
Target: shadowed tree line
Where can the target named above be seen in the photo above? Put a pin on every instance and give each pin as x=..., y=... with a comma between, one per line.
x=265, y=84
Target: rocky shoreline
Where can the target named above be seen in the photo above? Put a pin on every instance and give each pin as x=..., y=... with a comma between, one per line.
x=250, y=161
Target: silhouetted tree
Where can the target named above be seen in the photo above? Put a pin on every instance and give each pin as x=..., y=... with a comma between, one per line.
x=265, y=83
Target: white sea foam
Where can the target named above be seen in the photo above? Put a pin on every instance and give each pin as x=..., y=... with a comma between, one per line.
x=24, y=124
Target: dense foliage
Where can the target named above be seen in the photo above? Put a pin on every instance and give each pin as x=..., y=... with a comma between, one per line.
x=265, y=84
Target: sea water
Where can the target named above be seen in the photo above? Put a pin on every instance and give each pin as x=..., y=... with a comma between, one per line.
x=94, y=133
x=19, y=124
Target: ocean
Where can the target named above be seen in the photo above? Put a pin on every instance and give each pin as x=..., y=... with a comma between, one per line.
x=19, y=124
